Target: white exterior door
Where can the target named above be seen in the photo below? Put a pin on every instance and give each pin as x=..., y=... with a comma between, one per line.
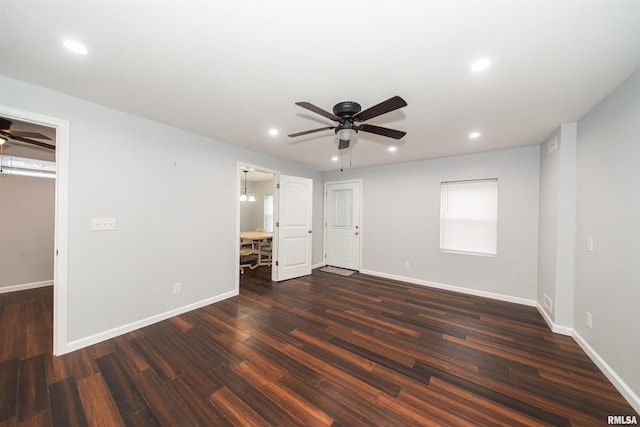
x=342, y=222
x=294, y=227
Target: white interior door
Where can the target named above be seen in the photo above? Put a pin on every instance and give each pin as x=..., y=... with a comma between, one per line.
x=342, y=221
x=294, y=227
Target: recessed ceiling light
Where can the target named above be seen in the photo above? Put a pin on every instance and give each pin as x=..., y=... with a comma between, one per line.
x=76, y=47
x=334, y=159
x=480, y=64
x=474, y=135
x=273, y=132
x=392, y=148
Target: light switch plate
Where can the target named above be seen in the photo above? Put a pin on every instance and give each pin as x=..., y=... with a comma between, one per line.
x=103, y=224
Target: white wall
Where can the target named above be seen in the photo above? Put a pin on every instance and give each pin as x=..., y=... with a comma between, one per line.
x=401, y=222
x=608, y=210
x=175, y=198
x=26, y=231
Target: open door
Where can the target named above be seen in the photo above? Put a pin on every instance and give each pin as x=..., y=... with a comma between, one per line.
x=294, y=227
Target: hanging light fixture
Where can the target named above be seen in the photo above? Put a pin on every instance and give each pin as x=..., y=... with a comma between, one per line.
x=244, y=196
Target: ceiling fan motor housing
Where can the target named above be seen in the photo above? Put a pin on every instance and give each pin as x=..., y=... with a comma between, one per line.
x=346, y=109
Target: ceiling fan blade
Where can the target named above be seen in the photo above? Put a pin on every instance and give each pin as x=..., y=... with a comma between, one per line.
x=25, y=134
x=28, y=141
x=309, y=106
x=391, y=133
x=311, y=131
x=382, y=108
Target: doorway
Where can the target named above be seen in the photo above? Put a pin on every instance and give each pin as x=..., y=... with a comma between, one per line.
x=291, y=216
x=61, y=128
x=257, y=219
x=342, y=218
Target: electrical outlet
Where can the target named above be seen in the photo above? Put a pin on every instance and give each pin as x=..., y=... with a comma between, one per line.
x=177, y=288
x=589, y=320
x=407, y=265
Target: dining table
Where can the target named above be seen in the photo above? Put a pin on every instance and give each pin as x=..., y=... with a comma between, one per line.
x=257, y=237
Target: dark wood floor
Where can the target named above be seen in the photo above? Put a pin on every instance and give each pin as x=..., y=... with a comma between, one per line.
x=321, y=350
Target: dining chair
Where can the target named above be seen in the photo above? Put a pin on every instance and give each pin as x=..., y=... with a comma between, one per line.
x=266, y=250
x=247, y=249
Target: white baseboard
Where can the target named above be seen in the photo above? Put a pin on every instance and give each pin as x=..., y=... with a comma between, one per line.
x=318, y=265
x=623, y=388
x=25, y=286
x=112, y=333
x=500, y=297
x=558, y=329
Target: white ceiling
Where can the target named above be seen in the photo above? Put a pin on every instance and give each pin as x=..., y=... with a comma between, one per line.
x=232, y=70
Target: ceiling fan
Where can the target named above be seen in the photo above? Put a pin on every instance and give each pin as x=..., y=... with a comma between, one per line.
x=348, y=115
x=22, y=136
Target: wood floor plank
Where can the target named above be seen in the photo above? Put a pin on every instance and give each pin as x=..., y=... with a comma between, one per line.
x=43, y=419
x=156, y=358
x=125, y=394
x=236, y=410
x=194, y=393
x=165, y=405
x=295, y=404
x=99, y=406
x=8, y=388
x=66, y=406
x=33, y=393
x=261, y=403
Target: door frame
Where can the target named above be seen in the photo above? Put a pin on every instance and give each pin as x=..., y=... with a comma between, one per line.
x=326, y=220
x=276, y=178
x=61, y=221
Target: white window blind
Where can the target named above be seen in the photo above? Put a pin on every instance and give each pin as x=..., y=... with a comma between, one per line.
x=469, y=216
x=268, y=213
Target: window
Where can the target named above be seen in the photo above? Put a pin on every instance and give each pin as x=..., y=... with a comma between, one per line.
x=343, y=208
x=268, y=213
x=28, y=167
x=469, y=216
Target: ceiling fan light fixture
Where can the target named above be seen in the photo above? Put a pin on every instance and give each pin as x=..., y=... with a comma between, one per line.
x=3, y=139
x=345, y=134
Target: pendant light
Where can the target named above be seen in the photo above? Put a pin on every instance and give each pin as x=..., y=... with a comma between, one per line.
x=244, y=196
